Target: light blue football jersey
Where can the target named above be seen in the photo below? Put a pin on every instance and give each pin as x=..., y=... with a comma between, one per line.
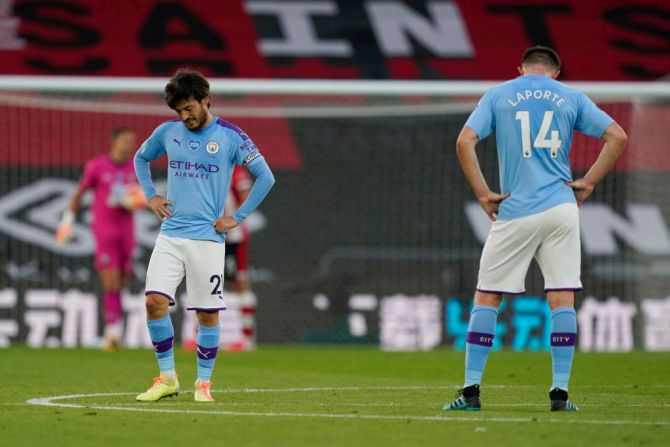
x=200, y=166
x=533, y=117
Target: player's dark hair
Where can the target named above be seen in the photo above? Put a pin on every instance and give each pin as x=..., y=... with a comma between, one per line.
x=539, y=55
x=118, y=131
x=186, y=84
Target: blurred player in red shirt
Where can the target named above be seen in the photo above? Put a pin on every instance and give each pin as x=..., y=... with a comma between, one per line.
x=116, y=194
x=236, y=271
x=237, y=266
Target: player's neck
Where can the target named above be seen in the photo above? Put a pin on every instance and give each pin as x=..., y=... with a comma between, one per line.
x=208, y=121
x=537, y=70
x=205, y=124
x=116, y=158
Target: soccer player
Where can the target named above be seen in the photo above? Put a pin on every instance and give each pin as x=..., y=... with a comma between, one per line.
x=202, y=150
x=536, y=215
x=116, y=196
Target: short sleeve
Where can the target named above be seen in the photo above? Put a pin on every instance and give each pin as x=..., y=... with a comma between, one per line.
x=245, y=149
x=482, y=119
x=89, y=177
x=591, y=120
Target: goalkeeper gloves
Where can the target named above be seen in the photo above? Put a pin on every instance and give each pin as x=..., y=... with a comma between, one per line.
x=64, y=231
x=134, y=198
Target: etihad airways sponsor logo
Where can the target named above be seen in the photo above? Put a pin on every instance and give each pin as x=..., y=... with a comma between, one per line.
x=192, y=169
x=193, y=166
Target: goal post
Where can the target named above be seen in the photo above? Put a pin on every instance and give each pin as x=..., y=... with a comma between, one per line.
x=628, y=90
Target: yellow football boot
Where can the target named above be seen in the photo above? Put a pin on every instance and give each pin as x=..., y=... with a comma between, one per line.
x=162, y=387
x=202, y=393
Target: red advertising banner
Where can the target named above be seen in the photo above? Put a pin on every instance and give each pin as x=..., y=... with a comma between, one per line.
x=373, y=39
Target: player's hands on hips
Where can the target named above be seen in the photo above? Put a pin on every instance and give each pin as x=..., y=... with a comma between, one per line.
x=490, y=203
x=159, y=205
x=582, y=190
x=224, y=223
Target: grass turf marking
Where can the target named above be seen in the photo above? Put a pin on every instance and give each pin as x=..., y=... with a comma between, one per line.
x=50, y=402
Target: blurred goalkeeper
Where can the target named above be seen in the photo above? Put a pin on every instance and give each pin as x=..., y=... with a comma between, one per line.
x=116, y=195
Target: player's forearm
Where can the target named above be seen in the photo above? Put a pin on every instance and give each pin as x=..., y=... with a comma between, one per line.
x=64, y=231
x=143, y=173
x=465, y=149
x=264, y=180
x=75, y=201
x=615, y=143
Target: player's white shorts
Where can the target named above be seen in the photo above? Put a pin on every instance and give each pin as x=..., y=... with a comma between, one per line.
x=551, y=237
x=202, y=262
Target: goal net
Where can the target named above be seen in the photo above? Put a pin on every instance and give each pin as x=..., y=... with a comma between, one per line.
x=371, y=235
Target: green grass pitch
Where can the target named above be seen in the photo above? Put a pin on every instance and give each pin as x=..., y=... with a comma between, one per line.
x=309, y=396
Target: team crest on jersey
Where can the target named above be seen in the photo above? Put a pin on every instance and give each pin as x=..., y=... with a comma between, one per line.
x=194, y=145
x=212, y=147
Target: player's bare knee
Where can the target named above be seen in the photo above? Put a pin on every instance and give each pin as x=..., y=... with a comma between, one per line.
x=560, y=298
x=488, y=299
x=208, y=319
x=157, y=305
x=112, y=286
x=116, y=284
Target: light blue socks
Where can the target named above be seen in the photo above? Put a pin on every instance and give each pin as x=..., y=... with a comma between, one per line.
x=207, y=342
x=162, y=334
x=478, y=342
x=563, y=335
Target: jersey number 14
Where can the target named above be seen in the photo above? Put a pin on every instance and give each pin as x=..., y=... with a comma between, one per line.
x=541, y=141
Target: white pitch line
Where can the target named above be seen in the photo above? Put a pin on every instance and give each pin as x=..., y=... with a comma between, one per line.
x=408, y=387
x=357, y=404
x=342, y=388
x=396, y=404
x=49, y=402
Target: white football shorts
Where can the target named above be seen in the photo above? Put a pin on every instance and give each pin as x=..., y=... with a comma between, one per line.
x=202, y=262
x=551, y=237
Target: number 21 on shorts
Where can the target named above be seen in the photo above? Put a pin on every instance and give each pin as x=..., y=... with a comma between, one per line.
x=541, y=141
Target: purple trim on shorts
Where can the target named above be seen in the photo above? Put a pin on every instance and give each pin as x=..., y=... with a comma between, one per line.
x=501, y=292
x=163, y=346
x=480, y=338
x=203, y=309
x=563, y=339
x=170, y=299
x=567, y=289
x=206, y=353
